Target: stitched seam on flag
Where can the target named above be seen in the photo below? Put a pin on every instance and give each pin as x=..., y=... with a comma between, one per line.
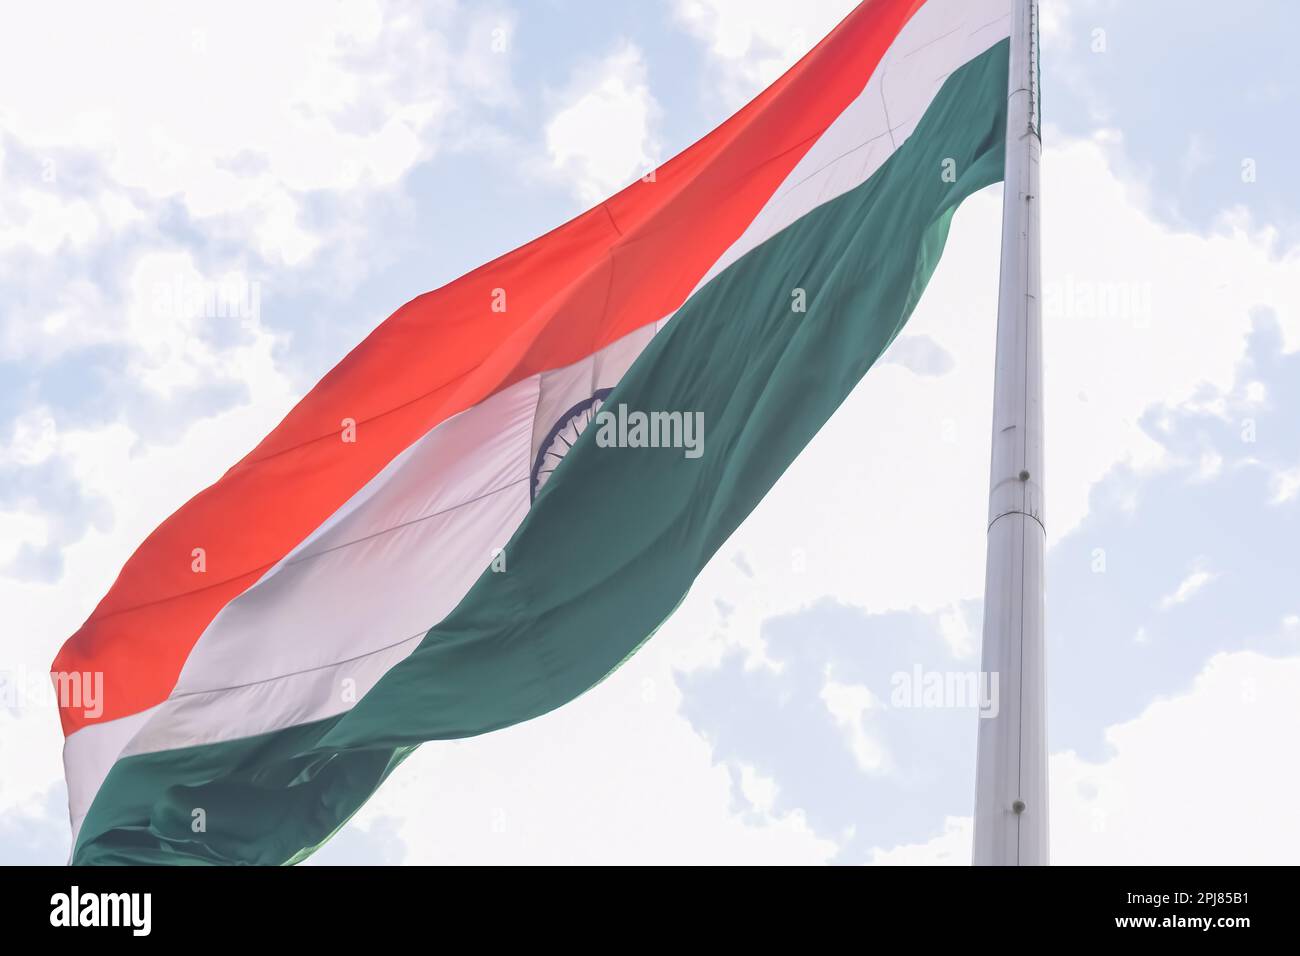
x=262, y=569
x=247, y=462
x=404, y=524
x=831, y=162
x=1005, y=16
x=297, y=673
x=884, y=103
x=929, y=43
x=610, y=215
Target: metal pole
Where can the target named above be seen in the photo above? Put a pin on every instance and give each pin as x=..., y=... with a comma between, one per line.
x=1011, y=761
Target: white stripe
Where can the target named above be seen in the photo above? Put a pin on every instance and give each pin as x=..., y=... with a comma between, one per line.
x=354, y=598
x=372, y=580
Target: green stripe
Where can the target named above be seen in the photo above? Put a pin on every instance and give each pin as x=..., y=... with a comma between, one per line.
x=618, y=534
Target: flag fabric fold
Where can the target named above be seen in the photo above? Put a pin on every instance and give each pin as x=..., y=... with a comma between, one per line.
x=437, y=541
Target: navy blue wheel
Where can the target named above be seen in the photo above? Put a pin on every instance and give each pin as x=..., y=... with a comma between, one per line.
x=562, y=437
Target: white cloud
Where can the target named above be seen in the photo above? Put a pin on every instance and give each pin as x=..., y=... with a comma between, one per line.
x=45, y=223
x=849, y=704
x=962, y=641
x=34, y=438
x=601, y=137
x=951, y=848
x=1211, y=465
x=1054, y=18
x=18, y=528
x=237, y=115
x=1186, y=589
x=755, y=41
x=1105, y=363
x=1285, y=485
x=172, y=314
x=761, y=791
x=1196, y=779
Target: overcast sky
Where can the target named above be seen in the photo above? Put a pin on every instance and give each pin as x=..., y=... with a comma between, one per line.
x=343, y=158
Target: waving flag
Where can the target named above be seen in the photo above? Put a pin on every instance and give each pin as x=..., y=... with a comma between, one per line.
x=473, y=518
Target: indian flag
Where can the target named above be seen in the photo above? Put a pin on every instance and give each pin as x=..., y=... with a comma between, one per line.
x=504, y=490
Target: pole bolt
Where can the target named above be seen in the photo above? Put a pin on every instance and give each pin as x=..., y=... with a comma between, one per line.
x=1024, y=476
x=1018, y=807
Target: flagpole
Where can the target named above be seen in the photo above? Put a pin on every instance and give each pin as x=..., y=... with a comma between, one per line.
x=1011, y=759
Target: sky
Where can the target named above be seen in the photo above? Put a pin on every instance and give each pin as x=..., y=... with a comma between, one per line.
x=333, y=160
